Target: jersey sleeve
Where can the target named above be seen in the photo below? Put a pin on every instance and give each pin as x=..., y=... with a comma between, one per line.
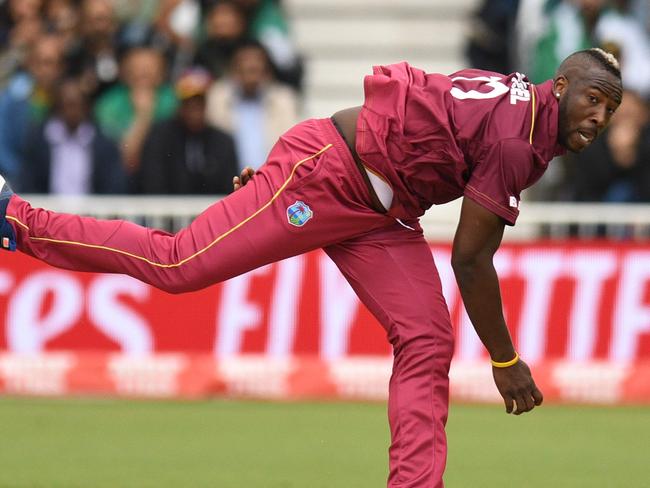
x=498, y=179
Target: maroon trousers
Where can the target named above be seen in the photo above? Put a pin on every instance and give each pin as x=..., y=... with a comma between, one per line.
x=308, y=195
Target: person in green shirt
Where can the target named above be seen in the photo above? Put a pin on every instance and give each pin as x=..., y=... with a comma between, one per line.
x=126, y=112
x=268, y=24
x=571, y=27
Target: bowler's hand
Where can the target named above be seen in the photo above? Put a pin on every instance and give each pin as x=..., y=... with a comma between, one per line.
x=517, y=387
x=239, y=181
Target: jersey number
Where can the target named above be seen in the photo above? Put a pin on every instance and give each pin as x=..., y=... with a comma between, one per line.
x=497, y=88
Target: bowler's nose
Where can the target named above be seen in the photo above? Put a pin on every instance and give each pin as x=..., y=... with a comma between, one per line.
x=599, y=118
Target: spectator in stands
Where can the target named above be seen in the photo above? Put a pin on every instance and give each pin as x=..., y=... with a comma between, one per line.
x=27, y=99
x=135, y=18
x=94, y=55
x=177, y=26
x=267, y=23
x=20, y=26
x=530, y=25
x=581, y=24
x=616, y=167
x=641, y=10
x=225, y=27
x=13, y=12
x=491, y=44
x=619, y=27
x=62, y=17
x=643, y=159
x=252, y=105
x=126, y=111
x=184, y=155
x=571, y=27
x=68, y=154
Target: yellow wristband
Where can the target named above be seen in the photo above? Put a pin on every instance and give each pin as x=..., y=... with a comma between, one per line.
x=507, y=364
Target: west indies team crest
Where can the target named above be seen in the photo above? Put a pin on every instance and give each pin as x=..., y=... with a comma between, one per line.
x=299, y=213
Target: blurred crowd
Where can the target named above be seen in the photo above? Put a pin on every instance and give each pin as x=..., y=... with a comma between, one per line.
x=177, y=96
x=533, y=36
x=142, y=96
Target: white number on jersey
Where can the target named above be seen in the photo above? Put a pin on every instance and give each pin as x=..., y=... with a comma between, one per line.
x=493, y=82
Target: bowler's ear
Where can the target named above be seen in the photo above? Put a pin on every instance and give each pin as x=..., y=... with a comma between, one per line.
x=559, y=85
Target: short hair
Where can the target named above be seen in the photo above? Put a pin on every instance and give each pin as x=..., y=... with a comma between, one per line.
x=604, y=59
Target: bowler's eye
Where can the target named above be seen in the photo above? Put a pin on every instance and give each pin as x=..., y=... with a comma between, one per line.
x=593, y=99
x=611, y=111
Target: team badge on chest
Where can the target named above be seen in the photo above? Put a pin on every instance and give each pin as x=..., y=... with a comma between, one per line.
x=299, y=213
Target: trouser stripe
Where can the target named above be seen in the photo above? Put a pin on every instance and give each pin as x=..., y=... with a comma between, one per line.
x=200, y=251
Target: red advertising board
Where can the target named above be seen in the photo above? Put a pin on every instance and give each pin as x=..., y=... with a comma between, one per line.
x=579, y=312
x=569, y=301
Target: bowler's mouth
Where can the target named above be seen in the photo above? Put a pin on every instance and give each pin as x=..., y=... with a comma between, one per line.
x=584, y=138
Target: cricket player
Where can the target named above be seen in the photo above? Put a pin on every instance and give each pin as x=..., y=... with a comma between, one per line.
x=355, y=185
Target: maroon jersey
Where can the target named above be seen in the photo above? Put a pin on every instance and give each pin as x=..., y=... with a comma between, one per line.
x=476, y=133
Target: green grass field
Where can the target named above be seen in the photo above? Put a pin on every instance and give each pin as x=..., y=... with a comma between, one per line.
x=226, y=444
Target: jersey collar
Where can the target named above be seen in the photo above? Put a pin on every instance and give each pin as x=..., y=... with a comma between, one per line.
x=545, y=140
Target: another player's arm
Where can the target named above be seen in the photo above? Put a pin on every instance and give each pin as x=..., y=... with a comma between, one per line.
x=477, y=238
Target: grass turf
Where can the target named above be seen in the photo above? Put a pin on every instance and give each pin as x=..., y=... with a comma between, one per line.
x=228, y=444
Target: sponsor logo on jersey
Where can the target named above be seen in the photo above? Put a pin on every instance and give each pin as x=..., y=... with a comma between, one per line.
x=299, y=213
x=519, y=89
x=513, y=202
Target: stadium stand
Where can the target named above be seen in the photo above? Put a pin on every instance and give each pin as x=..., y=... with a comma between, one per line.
x=430, y=35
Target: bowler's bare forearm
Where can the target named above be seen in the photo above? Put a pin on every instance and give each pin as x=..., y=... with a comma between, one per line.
x=477, y=238
x=479, y=287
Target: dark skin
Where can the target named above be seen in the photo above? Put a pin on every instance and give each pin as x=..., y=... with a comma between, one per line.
x=588, y=97
x=192, y=113
x=72, y=105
